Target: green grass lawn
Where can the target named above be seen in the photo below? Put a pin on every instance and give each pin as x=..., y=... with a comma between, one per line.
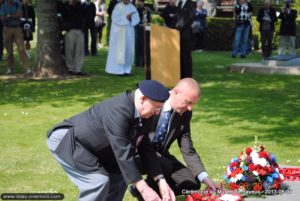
x=233, y=109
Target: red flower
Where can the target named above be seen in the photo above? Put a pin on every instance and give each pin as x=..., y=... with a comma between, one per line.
x=234, y=164
x=257, y=187
x=270, y=169
x=261, y=147
x=234, y=186
x=277, y=185
x=263, y=154
x=261, y=170
x=189, y=198
x=251, y=167
x=236, y=171
x=248, y=150
x=197, y=197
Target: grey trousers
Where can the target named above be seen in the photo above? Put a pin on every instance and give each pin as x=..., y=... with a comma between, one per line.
x=287, y=43
x=74, y=50
x=93, y=186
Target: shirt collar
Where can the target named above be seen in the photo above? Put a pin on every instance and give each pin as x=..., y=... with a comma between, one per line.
x=183, y=2
x=136, y=113
x=167, y=106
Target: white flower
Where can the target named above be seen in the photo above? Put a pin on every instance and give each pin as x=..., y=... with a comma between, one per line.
x=255, y=161
x=255, y=173
x=239, y=176
x=254, y=155
x=233, y=179
x=262, y=162
x=228, y=170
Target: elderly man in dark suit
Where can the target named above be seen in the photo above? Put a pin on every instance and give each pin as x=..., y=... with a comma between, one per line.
x=173, y=124
x=97, y=148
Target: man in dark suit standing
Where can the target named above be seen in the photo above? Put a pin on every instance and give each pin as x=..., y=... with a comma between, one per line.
x=90, y=14
x=97, y=148
x=173, y=124
x=184, y=14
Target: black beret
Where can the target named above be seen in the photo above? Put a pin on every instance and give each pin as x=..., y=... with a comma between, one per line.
x=154, y=90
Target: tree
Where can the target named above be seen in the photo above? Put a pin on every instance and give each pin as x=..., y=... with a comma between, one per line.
x=49, y=59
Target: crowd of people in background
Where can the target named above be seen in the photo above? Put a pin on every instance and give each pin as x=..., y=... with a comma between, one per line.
x=82, y=22
x=266, y=16
x=17, y=25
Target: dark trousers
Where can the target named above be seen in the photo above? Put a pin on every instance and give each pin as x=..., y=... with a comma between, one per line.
x=139, y=47
x=1, y=41
x=198, y=40
x=186, y=66
x=177, y=175
x=99, y=31
x=266, y=43
x=92, y=31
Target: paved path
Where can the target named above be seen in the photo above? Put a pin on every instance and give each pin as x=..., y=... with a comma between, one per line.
x=292, y=195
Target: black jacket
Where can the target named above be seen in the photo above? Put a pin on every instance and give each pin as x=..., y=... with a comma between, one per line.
x=179, y=130
x=73, y=17
x=288, y=23
x=28, y=13
x=169, y=21
x=185, y=19
x=272, y=14
x=102, y=139
x=90, y=13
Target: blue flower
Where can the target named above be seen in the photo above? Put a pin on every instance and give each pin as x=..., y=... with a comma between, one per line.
x=235, y=160
x=274, y=160
x=275, y=175
x=270, y=180
x=246, y=168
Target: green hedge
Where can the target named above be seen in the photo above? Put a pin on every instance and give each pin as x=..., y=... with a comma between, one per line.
x=220, y=31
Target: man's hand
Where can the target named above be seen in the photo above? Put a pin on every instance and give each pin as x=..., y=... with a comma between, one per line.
x=129, y=16
x=211, y=185
x=147, y=193
x=165, y=191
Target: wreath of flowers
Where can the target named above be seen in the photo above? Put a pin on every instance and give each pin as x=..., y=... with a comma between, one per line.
x=254, y=170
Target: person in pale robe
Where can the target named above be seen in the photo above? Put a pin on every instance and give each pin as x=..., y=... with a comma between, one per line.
x=121, y=41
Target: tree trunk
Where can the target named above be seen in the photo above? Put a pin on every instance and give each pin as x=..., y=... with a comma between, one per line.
x=50, y=62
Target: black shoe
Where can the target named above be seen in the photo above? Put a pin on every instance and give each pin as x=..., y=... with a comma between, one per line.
x=135, y=193
x=71, y=72
x=233, y=56
x=127, y=74
x=243, y=56
x=80, y=73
